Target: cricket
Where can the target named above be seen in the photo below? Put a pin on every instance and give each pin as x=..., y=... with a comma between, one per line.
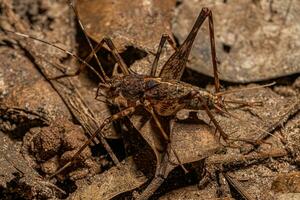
x=164, y=95
x=160, y=93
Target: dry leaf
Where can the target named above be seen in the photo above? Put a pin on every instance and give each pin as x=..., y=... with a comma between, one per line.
x=191, y=141
x=109, y=184
x=255, y=40
x=193, y=193
x=128, y=23
x=287, y=183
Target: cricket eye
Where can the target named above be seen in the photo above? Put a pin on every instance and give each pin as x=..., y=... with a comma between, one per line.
x=113, y=88
x=150, y=84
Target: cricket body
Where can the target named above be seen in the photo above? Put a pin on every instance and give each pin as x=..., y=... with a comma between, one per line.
x=162, y=95
x=167, y=97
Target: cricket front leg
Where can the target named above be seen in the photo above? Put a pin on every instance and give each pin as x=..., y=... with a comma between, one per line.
x=93, y=53
x=107, y=121
x=104, y=78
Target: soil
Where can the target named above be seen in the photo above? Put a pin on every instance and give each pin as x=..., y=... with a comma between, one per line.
x=46, y=118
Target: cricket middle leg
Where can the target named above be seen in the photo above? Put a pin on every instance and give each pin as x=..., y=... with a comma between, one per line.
x=107, y=121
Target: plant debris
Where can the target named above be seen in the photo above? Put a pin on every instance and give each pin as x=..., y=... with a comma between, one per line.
x=255, y=40
x=43, y=120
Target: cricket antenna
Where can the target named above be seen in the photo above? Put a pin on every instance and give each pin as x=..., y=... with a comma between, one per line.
x=243, y=89
x=93, y=53
x=248, y=123
x=59, y=48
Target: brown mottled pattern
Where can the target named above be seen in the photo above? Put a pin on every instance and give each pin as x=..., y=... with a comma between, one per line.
x=174, y=67
x=166, y=96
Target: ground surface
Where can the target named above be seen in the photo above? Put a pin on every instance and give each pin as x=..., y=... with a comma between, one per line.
x=44, y=121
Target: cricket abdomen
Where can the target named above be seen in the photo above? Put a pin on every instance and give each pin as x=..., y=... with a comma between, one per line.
x=166, y=108
x=167, y=96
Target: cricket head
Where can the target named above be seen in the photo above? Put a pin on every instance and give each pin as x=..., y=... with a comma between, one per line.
x=123, y=91
x=110, y=90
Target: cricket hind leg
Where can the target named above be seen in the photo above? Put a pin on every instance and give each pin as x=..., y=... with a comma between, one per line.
x=175, y=65
x=219, y=128
x=107, y=121
x=164, y=38
x=223, y=109
x=213, y=51
x=242, y=103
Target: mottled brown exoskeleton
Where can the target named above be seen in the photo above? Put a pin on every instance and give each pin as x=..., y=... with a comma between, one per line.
x=162, y=95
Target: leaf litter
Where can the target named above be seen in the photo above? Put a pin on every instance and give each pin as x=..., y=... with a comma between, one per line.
x=255, y=40
x=182, y=142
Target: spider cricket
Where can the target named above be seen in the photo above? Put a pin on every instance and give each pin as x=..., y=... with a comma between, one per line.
x=162, y=95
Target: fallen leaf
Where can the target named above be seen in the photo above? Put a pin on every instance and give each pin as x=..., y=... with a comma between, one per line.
x=190, y=141
x=109, y=184
x=193, y=193
x=255, y=40
x=128, y=23
x=287, y=183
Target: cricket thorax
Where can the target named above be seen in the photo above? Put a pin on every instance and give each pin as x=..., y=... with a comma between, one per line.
x=126, y=90
x=132, y=87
